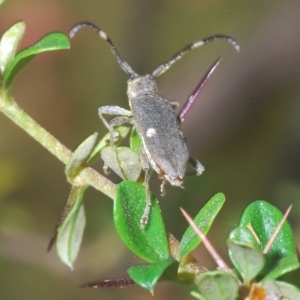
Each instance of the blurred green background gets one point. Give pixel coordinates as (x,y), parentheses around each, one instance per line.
(245,129)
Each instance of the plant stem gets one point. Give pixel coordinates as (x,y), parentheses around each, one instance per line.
(87,177)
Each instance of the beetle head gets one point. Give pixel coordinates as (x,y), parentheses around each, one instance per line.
(141,85)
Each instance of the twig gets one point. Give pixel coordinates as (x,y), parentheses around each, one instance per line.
(87,177)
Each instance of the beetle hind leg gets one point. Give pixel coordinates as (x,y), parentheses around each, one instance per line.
(196,165)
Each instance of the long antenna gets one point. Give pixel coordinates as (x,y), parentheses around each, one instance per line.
(164,67)
(122,63)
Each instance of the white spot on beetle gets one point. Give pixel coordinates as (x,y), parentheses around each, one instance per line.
(150,132)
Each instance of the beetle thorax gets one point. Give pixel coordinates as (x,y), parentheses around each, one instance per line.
(142,85)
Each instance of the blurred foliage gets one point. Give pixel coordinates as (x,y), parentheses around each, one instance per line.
(244,129)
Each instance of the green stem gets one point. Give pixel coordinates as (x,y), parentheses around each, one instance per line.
(87,177)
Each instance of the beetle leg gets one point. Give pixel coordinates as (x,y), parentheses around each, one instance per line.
(124,116)
(115,122)
(196,165)
(145,165)
(162,187)
(116,111)
(174,104)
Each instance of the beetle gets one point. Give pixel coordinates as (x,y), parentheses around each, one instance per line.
(163,144)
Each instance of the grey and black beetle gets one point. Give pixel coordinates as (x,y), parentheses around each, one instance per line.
(163,143)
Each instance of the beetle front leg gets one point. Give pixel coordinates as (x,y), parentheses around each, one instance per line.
(116,111)
(115,122)
(124,116)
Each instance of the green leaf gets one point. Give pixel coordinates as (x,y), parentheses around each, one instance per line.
(149,243)
(80,155)
(244,236)
(9,44)
(280,288)
(123,161)
(52,41)
(218,285)
(284,265)
(197,295)
(264,219)
(135,141)
(246,258)
(147,276)
(2,1)
(122,133)
(72,226)
(203,220)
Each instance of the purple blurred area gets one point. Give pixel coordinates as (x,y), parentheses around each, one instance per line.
(244,129)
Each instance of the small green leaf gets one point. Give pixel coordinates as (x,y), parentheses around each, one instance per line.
(197,295)
(71,229)
(52,41)
(135,141)
(244,236)
(149,243)
(2,1)
(245,254)
(246,258)
(264,219)
(203,220)
(80,155)
(122,133)
(218,285)
(123,161)
(147,276)
(284,265)
(9,44)
(280,288)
